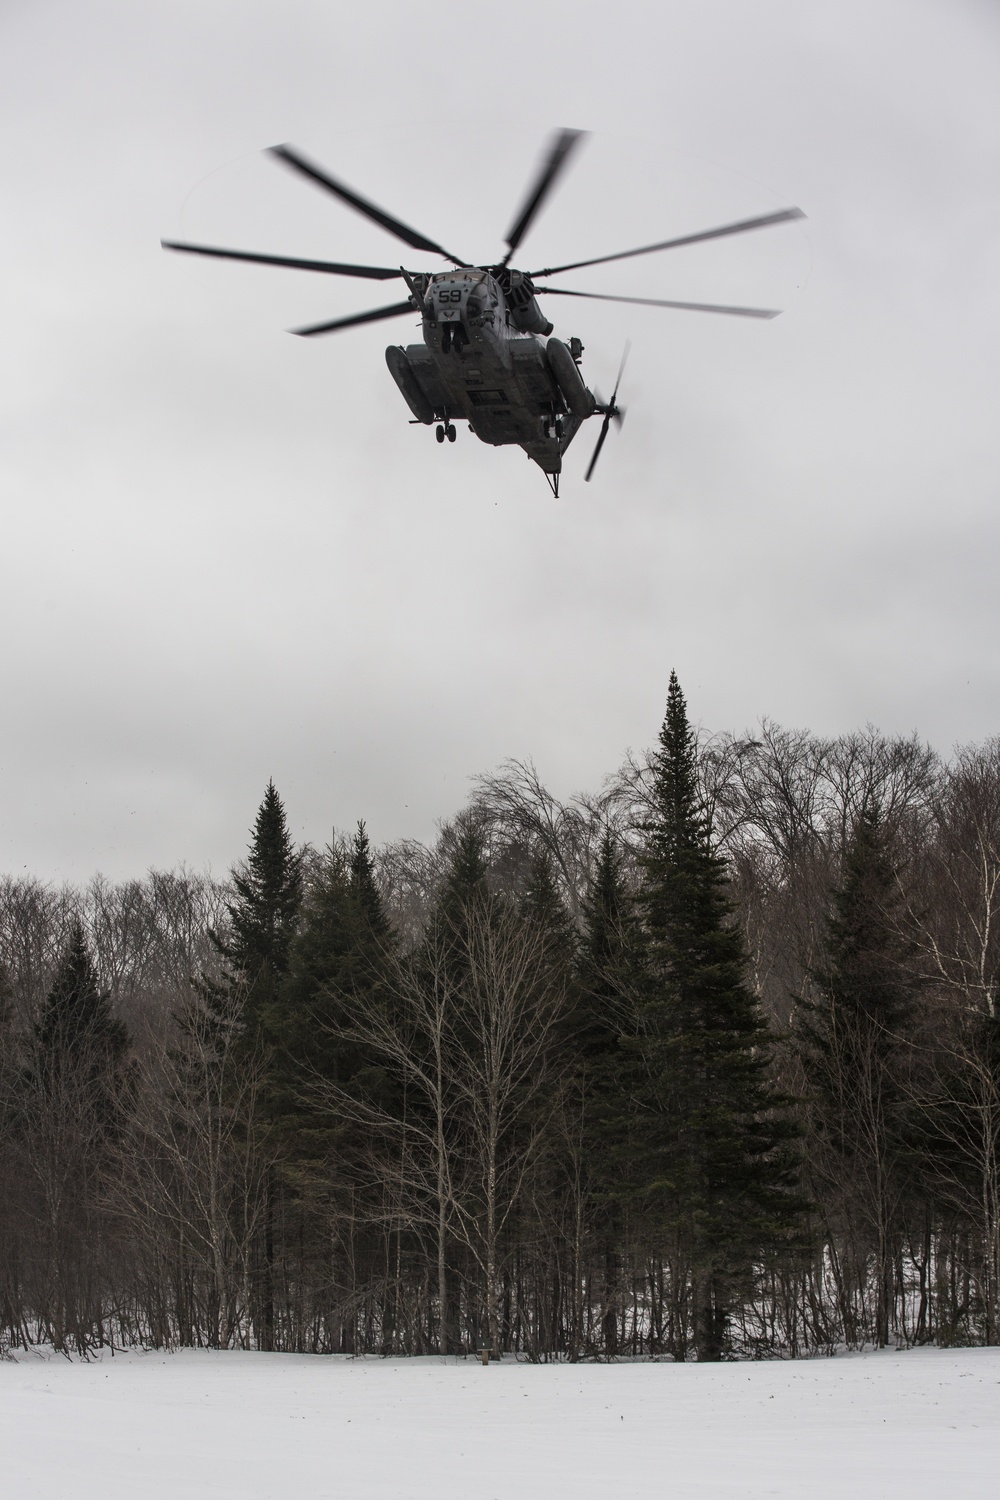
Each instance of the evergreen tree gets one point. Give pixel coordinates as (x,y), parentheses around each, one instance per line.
(714,1150)
(608,957)
(312,991)
(465,880)
(464,892)
(605,1012)
(853,1038)
(865,979)
(367,898)
(312,1145)
(337,958)
(543,907)
(79,1042)
(262,920)
(263,915)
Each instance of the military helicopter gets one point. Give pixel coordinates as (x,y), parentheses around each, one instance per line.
(487,355)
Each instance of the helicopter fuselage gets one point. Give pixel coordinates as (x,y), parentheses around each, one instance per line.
(487,356)
(485,360)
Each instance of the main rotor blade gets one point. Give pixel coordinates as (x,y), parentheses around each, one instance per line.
(375,315)
(712,307)
(605,425)
(369,273)
(299,163)
(741,227)
(553,163)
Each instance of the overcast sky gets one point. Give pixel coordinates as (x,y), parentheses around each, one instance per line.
(226,555)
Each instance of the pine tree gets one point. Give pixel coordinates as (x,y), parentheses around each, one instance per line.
(605,1012)
(338,956)
(853,1038)
(311,994)
(464,894)
(263,915)
(543,907)
(465,880)
(262,920)
(715,1148)
(608,956)
(374,924)
(865,978)
(79,1042)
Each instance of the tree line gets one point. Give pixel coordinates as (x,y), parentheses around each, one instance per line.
(704,1065)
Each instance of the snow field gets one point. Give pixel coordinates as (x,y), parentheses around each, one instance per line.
(241,1426)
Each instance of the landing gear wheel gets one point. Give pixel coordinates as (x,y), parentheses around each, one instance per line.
(439,433)
(450,433)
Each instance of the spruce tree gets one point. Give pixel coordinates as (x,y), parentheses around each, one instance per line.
(465,880)
(463,898)
(865,978)
(373,923)
(543,907)
(262,918)
(263,915)
(336,959)
(715,1142)
(608,957)
(853,1036)
(604,1013)
(312,990)
(79,1042)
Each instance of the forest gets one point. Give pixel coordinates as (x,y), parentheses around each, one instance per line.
(704,1065)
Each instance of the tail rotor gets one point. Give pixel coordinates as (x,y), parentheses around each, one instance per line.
(612,413)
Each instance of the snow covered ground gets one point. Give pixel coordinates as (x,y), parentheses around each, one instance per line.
(194,1425)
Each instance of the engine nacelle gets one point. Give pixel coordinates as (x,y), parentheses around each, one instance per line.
(525,313)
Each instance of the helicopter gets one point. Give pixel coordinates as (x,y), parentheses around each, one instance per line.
(488,356)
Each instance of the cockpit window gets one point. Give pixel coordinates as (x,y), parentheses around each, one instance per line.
(460,273)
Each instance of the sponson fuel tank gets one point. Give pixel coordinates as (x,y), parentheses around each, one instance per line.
(402,374)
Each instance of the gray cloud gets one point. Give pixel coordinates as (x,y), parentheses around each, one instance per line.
(225,553)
